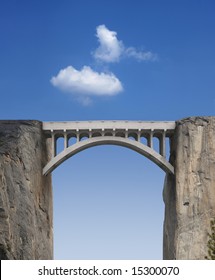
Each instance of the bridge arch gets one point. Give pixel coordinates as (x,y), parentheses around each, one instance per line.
(109,140)
(122,133)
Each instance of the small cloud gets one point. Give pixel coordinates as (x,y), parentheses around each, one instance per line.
(140,56)
(110,48)
(85,100)
(86,83)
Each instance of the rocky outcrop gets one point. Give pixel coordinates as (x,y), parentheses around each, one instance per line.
(25,194)
(189,196)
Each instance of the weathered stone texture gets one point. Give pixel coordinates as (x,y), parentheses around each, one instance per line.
(25,194)
(190,196)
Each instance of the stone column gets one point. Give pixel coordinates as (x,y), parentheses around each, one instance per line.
(189,196)
(26,230)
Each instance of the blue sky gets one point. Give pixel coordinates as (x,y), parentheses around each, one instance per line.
(133,60)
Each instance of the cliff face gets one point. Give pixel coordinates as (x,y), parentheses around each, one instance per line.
(25,194)
(189,196)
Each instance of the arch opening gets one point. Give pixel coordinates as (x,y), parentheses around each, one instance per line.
(59,144)
(83,137)
(144,140)
(72,139)
(156,144)
(106,195)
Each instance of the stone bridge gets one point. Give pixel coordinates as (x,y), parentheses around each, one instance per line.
(136,135)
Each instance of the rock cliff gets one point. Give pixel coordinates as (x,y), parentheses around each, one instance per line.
(189,196)
(25,194)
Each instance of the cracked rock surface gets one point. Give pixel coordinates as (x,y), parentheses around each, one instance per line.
(25,194)
(189,196)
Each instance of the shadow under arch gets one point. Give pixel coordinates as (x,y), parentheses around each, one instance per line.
(109,140)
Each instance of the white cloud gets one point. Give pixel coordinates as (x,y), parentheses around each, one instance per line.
(111,49)
(87,82)
(140,56)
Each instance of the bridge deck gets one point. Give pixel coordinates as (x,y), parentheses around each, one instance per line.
(131,125)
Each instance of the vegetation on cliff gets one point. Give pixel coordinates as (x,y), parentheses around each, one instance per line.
(211,242)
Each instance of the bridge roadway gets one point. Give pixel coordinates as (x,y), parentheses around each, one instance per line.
(123,133)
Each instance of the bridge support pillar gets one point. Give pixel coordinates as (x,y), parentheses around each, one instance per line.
(150,139)
(163,144)
(65,140)
(189,195)
(53,145)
